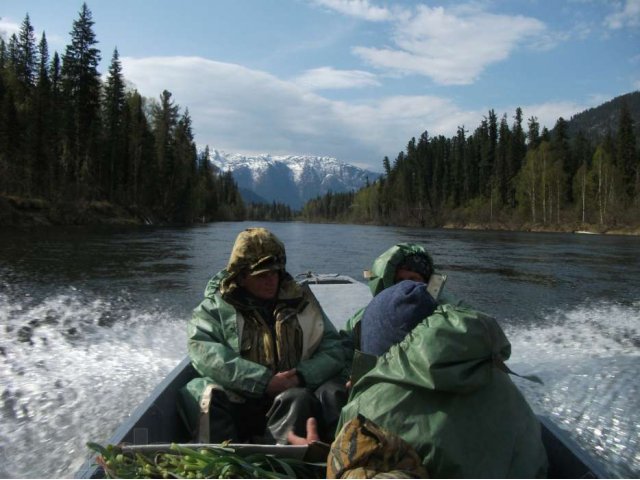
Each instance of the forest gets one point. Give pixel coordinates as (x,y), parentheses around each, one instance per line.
(82,148)
(505,176)
(75,145)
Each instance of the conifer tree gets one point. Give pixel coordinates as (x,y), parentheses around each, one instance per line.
(142,165)
(81,87)
(186,167)
(112,171)
(56,115)
(517,152)
(40,127)
(165,119)
(501,167)
(26,57)
(562,151)
(626,153)
(533,133)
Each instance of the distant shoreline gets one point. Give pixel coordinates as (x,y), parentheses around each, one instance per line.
(33,212)
(578,230)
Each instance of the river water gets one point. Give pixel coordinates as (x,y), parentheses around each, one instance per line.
(92,319)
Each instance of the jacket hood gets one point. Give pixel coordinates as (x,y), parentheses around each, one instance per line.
(214,284)
(383,270)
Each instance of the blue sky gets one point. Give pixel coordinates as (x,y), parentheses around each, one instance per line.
(356,79)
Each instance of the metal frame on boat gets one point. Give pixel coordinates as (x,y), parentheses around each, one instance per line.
(156,420)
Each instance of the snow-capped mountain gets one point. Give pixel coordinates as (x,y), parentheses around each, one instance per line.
(291,179)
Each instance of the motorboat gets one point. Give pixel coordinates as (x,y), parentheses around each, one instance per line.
(155,423)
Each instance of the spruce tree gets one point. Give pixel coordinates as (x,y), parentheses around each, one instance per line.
(26,60)
(112,172)
(517,152)
(626,153)
(533,133)
(81,87)
(40,127)
(165,120)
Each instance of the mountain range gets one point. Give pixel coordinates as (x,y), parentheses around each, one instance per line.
(598,121)
(290,179)
(295,179)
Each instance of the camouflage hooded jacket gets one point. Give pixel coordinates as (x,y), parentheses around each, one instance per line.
(215,341)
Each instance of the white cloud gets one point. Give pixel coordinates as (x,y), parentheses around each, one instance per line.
(390,122)
(357,8)
(548,113)
(324,78)
(240,110)
(236,109)
(451,47)
(626,15)
(8,28)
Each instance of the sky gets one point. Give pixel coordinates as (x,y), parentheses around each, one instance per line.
(355,79)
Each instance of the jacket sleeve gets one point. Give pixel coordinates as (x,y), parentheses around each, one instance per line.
(213,354)
(351,336)
(327,361)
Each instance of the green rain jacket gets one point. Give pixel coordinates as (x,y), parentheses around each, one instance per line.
(442,390)
(214,333)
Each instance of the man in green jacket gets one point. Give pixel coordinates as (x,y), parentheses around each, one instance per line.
(267,355)
(431,371)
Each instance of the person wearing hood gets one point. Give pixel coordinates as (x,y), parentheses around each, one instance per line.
(429,374)
(266,354)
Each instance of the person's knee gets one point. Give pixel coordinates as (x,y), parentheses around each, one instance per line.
(296,394)
(334,388)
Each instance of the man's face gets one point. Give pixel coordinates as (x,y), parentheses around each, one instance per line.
(404,274)
(263,285)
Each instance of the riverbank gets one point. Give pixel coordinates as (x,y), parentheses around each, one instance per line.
(19,211)
(584,229)
(27,212)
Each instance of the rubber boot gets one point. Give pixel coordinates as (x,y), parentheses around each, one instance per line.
(289,412)
(332,396)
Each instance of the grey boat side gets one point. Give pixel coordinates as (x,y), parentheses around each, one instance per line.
(157,421)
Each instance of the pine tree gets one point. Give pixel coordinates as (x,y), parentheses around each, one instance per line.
(517,152)
(626,153)
(81,87)
(40,128)
(142,165)
(113,168)
(562,151)
(55,147)
(165,120)
(533,133)
(26,61)
(501,168)
(186,166)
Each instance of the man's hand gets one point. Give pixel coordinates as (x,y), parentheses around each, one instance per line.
(312,434)
(282,381)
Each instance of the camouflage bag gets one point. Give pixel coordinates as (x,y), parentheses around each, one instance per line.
(364,450)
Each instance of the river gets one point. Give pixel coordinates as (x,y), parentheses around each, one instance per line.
(91,319)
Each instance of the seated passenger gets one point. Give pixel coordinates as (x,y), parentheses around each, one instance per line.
(266,353)
(403,261)
(432,372)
